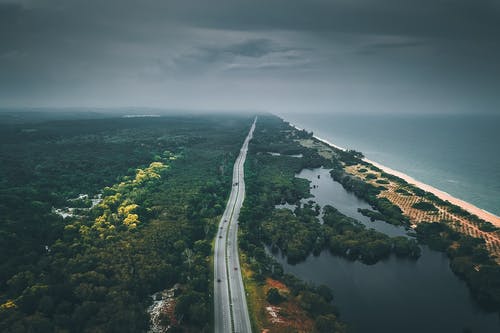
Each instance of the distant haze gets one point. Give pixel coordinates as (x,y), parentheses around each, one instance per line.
(283,56)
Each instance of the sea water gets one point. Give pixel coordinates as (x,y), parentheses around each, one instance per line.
(459,154)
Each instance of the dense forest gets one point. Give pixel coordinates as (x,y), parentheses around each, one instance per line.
(97,215)
(162,183)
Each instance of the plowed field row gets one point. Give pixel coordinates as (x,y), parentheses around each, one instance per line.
(405,202)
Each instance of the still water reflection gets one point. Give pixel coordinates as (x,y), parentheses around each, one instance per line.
(395,295)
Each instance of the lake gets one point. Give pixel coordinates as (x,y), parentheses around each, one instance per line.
(395,295)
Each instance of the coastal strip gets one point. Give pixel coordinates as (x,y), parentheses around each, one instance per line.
(481,213)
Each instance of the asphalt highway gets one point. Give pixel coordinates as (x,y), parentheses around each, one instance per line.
(230,304)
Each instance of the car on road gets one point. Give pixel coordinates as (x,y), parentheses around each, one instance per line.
(236,268)
(218,280)
(220,236)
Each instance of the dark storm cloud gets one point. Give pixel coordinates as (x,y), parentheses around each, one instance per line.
(256,47)
(394,45)
(252,48)
(249,54)
(424,18)
(282,55)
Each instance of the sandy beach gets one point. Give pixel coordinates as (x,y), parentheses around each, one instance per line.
(481,213)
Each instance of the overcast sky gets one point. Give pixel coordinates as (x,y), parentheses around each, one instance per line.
(402,56)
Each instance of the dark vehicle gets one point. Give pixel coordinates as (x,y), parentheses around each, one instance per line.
(218,280)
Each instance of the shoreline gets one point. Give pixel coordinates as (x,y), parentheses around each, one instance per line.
(479,212)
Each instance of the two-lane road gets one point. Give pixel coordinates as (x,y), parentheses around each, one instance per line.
(230,304)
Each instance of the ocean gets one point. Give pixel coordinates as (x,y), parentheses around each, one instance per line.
(458,154)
